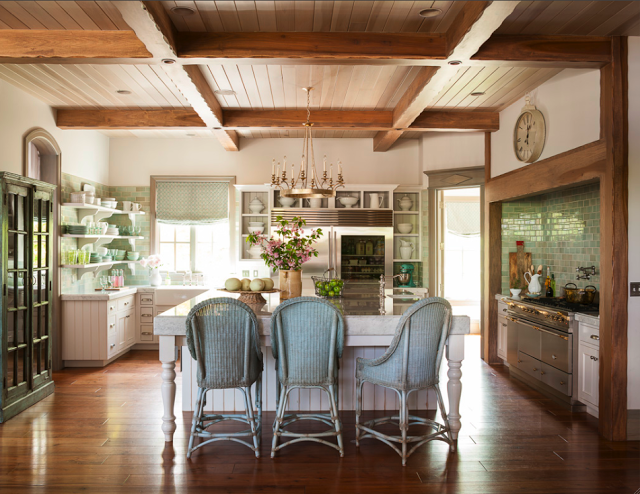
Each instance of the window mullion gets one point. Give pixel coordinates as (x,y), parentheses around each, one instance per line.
(193,249)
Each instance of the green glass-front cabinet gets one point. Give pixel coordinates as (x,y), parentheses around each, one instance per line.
(25,278)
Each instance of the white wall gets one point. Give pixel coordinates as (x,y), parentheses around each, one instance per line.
(85,153)
(445,150)
(570,103)
(134,160)
(633,362)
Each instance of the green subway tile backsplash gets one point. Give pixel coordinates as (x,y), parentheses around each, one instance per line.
(560,229)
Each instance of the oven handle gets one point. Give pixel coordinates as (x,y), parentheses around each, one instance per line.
(520,321)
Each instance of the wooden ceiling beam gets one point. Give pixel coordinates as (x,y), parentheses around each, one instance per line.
(152,25)
(332,46)
(162,118)
(591,50)
(50,45)
(184,118)
(471,28)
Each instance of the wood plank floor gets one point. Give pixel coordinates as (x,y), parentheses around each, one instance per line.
(100,433)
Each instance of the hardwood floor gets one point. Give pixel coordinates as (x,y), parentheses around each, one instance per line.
(100,433)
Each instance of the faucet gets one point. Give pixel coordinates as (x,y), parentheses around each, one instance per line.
(184,277)
(403,277)
(587,273)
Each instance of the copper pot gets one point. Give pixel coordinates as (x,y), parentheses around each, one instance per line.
(577,295)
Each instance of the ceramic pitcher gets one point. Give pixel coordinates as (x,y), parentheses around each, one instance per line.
(376,200)
(533,282)
(406,249)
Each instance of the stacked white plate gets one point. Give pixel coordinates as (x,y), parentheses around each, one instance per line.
(112,231)
(109,202)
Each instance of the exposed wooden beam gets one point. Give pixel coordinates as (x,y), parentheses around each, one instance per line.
(163,118)
(167,118)
(473,25)
(333,46)
(614,245)
(40,43)
(153,26)
(585,50)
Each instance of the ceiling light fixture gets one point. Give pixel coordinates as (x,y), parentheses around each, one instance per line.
(477,93)
(225,92)
(123,91)
(191,135)
(454,62)
(168,61)
(307,183)
(430,13)
(183,11)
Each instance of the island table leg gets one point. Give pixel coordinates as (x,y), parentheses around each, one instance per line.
(455,355)
(168,359)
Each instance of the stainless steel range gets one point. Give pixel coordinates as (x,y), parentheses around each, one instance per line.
(540,346)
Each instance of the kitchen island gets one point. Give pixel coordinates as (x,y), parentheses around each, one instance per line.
(367,334)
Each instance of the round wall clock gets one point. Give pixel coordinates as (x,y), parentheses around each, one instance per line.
(529,133)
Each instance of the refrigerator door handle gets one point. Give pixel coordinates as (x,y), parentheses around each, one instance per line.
(330,254)
(335,255)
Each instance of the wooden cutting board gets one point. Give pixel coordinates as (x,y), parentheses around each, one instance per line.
(513,268)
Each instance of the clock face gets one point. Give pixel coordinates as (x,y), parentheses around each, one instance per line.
(529,136)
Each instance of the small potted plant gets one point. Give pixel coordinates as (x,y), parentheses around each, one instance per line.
(287,253)
(153,263)
(516,289)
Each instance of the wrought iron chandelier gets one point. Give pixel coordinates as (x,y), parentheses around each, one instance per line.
(307,183)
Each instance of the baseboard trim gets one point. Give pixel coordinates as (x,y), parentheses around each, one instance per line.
(94,363)
(633,425)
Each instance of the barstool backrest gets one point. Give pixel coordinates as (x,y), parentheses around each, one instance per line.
(418,344)
(307,337)
(222,335)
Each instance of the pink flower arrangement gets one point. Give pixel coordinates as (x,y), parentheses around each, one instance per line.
(153,262)
(291,249)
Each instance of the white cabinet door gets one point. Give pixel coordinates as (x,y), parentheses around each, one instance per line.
(121,326)
(589,374)
(502,338)
(129,328)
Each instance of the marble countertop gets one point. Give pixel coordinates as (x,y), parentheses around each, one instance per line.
(98,295)
(361,314)
(589,319)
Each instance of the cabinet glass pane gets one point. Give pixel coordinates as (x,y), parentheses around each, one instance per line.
(21,214)
(35,322)
(11,250)
(36,215)
(36,250)
(35,361)
(20,329)
(10,366)
(44,241)
(44,315)
(44,283)
(44,219)
(20,287)
(21,375)
(11,330)
(20,251)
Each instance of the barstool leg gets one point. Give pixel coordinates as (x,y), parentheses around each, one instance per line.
(336,418)
(358,410)
(404,425)
(284,396)
(194,421)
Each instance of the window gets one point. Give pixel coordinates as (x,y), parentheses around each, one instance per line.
(199,248)
(192,228)
(34,162)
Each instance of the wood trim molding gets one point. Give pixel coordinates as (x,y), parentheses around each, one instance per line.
(456,178)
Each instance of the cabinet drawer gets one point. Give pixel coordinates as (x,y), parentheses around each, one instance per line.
(502,309)
(557,379)
(112,341)
(146,315)
(556,350)
(146,333)
(146,299)
(589,335)
(530,365)
(126,303)
(529,340)
(111,325)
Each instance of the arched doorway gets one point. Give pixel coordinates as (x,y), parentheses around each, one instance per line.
(42,160)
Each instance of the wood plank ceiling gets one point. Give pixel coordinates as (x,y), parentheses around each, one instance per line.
(267,86)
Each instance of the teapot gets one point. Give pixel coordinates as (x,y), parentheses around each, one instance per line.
(405,203)
(533,283)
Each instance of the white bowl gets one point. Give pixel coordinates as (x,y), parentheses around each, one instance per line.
(256,223)
(347,202)
(256,229)
(287,202)
(405,227)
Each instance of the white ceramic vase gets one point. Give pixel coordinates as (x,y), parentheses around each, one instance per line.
(406,252)
(155,279)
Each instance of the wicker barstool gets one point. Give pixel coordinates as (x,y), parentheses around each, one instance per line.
(411,362)
(307,336)
(222,335)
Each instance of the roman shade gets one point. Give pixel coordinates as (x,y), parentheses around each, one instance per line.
(192,203)
(463,218)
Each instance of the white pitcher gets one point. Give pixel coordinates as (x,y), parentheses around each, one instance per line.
(533,283)
(376,200)
(315,203)
(406,249)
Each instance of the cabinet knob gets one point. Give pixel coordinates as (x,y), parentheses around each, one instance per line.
(562,383)
(554,357)
(535,369)
(542,373)
(126,303)
(504,310)
(146,332)
(594,337)
(112,345)
(111,325)
(519,361)
(595,359)
(111,308)
(128,316)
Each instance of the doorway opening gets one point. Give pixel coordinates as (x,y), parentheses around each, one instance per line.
(459,253)
(42,160)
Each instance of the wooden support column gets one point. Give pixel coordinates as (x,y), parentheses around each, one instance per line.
(614,266)
(492,279)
